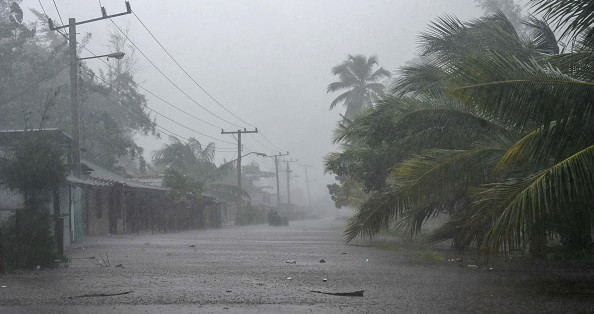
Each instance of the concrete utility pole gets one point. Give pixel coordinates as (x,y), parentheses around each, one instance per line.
(289,181)
(74,79)
(307,182)
(277,183)
(239,132)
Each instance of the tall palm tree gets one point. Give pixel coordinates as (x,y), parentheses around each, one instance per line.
(520,186)
(358,77)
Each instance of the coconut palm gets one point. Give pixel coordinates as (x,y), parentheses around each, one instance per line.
(358,77)
(190,168)
(532,177)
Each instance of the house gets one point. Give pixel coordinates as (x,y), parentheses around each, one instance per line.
(102,202)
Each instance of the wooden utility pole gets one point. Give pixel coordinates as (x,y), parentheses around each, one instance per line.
(289,181)
(307,183)
(277,182)
(239,132)
(74,80)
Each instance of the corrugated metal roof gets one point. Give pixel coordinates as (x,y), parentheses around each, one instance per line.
(99,176)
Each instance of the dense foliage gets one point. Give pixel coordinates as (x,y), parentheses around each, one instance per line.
(36,170)
(489,125)
(34,67)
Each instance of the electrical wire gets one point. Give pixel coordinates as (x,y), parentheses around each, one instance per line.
(160,98)
(193,80)
(169,79)
(168,118)
(59,15)
(186,72)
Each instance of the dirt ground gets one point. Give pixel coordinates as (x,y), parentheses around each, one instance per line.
(245,270)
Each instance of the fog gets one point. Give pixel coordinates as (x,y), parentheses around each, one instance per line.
(267,62)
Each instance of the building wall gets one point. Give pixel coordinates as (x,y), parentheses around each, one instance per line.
(97,211)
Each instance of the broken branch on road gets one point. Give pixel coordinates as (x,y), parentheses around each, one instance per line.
(358,293)
(93,295)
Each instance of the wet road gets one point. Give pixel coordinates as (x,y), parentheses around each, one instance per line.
(244,270)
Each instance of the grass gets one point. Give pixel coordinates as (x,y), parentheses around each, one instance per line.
(415,252)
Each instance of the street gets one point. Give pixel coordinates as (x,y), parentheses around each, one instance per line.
(250,270)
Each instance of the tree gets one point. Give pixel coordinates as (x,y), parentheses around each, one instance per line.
(193,161)
(528,174)
(33,61)
(357,76)
(36,170)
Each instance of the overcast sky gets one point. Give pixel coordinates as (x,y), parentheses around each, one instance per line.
(267,61)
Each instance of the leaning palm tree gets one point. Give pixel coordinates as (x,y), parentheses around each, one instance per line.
(189,165)
(357,76)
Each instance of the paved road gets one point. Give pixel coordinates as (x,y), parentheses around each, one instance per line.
(244,270)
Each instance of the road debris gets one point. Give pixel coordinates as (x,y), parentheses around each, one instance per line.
(192,245)
(104,262)
(120,265)
(322,261)
(91,257)
(289,261)
(324,280)
(94,295)
(358,293)
(289,278)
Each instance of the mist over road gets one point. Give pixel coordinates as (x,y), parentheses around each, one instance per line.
(245,269)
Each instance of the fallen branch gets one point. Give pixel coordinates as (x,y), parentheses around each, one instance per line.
(358,293)
(93,295)
(106,263)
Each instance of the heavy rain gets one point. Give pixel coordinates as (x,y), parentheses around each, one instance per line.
(336,156)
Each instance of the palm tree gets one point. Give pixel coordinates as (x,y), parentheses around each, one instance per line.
(356,75)
(532,177)
(190,168)
(190,158)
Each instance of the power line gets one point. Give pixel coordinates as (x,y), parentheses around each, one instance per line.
(271,143)
(158,97)
(175,85)
(262,145)
(170,119)
(60,16)
(187,74)
(169,79)
(193,80)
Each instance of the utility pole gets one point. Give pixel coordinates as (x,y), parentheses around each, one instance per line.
(74,79)
(289,181)
(277,183)
(307,183)
(239,132)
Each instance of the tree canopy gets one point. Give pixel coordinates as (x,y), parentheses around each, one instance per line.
(489,126)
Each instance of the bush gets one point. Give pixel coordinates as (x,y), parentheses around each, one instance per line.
(34,245)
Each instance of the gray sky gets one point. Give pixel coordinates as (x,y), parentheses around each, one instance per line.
(267,61)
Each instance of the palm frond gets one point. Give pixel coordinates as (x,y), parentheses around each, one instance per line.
(336,86)
(340,99)
(377,212)
(534,200)
(573,16)
(417,79)
(553,142)
(522,93)
(379,74)
(542,36)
